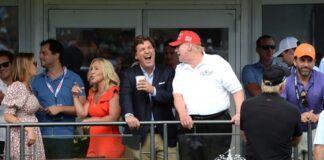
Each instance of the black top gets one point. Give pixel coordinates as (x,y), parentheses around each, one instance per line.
(269,123)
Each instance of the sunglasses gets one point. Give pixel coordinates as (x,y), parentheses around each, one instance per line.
(266,47)
(4,65)
(303,98)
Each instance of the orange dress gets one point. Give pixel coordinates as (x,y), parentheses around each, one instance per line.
(102,142)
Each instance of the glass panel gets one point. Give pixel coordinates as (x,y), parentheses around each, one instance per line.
(110,43)
(215,40)
(9,28)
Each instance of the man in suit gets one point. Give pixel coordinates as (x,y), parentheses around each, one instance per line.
(149,99)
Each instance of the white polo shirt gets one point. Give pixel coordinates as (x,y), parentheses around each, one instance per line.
(319,137)
(206,88)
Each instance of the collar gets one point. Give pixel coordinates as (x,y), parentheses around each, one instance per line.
(45,73)
(145,73)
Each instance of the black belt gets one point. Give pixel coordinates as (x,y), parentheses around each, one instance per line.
(210,116)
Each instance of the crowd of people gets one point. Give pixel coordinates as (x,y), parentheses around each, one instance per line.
(273,113)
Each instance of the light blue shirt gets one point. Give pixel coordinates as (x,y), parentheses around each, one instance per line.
(64,97)
(321,66)
(149,78)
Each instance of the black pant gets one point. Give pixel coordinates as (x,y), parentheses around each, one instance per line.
(206,147)
(58,148)
(2,147)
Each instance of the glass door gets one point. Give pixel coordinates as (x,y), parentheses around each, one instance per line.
(215,27)
(87,34)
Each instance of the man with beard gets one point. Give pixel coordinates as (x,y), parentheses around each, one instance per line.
(305,88)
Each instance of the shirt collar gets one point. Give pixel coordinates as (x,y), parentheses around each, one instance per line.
(145,73)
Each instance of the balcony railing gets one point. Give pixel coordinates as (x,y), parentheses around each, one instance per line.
(235,141)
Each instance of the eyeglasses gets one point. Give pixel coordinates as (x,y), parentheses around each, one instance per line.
(303,98)
(4,65)
(266,47)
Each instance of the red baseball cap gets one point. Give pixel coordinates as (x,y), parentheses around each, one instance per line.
(186,36)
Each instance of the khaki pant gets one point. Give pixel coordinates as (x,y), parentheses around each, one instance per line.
(303,145)
(144,152)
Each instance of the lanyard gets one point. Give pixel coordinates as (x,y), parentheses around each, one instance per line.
(297,91)
(58,87)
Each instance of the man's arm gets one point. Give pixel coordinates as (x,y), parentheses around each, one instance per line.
(319,152)
(185,119)
(69,110)
(243,136)
(295,140)
(238,98)
(253,89)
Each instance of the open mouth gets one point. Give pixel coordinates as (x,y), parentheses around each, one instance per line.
(147,57)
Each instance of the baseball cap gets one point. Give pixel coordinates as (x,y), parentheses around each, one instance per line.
(186,36)
(275,75)
(305,49)
(286,43)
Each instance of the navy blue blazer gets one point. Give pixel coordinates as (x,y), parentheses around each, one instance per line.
(139,104)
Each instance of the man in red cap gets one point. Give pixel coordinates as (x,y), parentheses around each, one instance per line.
(201,90)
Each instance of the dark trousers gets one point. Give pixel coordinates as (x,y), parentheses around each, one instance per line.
(205,147)
(2,147)
(58,148)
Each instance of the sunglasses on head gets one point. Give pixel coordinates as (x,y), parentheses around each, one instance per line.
(266,47)
(303,98)
(4,65)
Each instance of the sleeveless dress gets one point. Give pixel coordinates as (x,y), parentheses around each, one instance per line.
(105,141)
(23,104)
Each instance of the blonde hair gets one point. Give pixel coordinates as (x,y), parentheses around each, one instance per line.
(110,76)
(272,89)
(21,64)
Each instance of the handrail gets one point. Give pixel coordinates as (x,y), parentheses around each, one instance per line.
(165,124)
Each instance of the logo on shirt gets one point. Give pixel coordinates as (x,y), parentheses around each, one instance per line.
(206,73)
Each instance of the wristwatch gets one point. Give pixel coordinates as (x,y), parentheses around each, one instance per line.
(128,114)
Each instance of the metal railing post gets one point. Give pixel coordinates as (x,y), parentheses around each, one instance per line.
(7,144)
(22,142)
(152,143)
(296,152)
(165,141)
(309,141)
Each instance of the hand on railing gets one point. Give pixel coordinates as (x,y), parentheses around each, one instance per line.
(132,122)
(309,116)
(30,136)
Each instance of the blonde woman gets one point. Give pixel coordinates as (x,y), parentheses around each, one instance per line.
(21,106)
(102,105)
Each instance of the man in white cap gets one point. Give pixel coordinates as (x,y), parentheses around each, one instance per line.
(286,50)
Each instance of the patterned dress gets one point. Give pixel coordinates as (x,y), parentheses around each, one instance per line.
(105,140)
(23,104)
